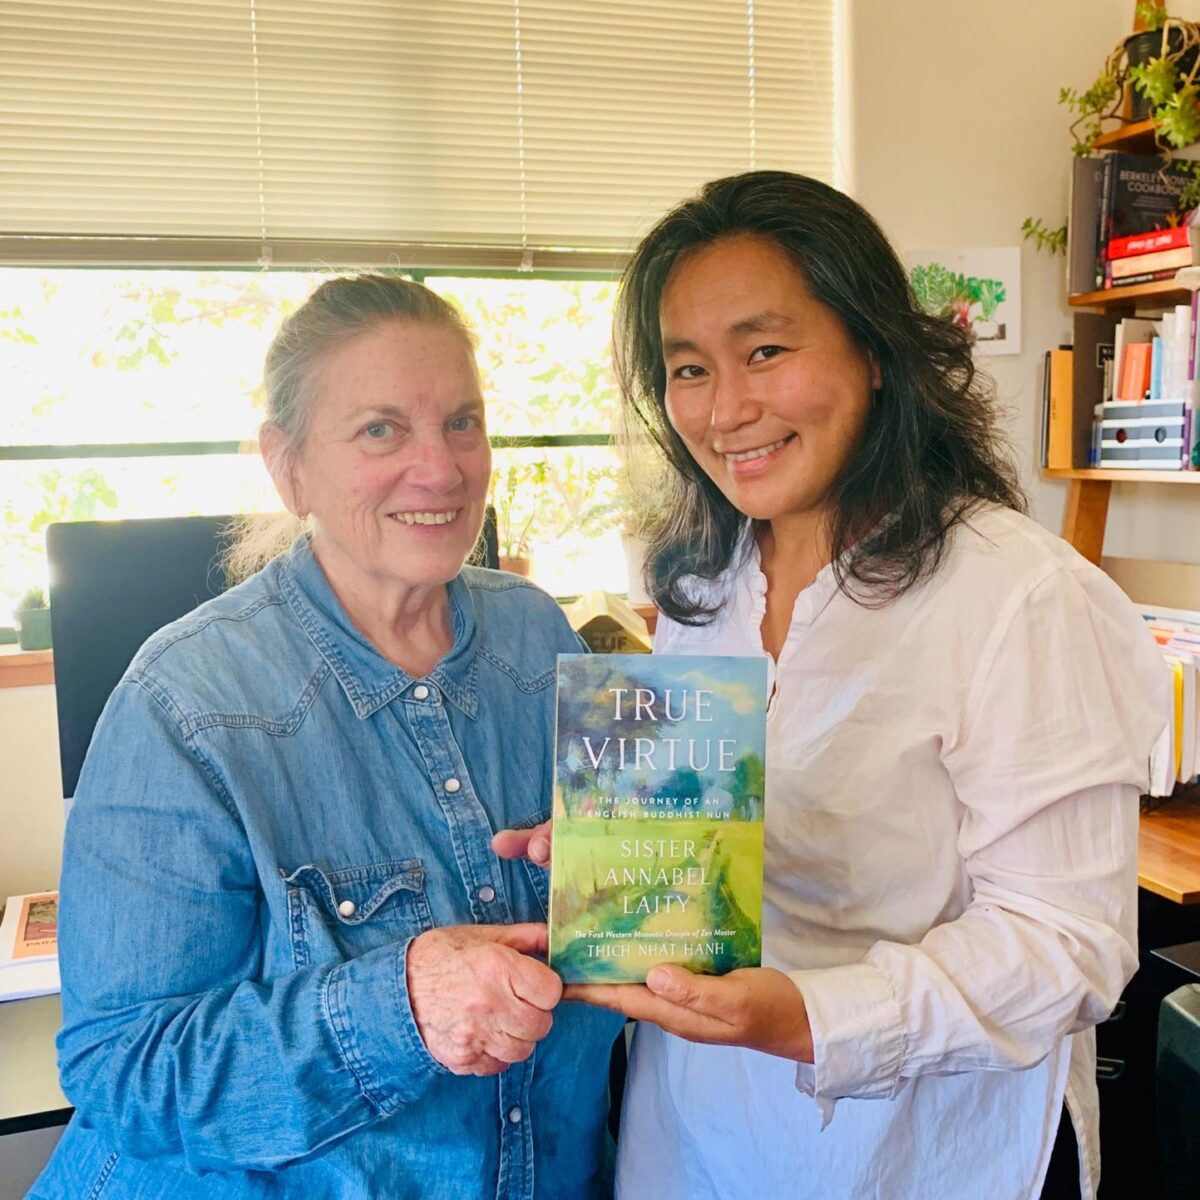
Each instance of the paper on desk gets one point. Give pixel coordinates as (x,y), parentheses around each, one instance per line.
(29,946)
(21,980)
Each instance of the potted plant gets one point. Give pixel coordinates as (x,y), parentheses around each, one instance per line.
(1158,64)
(33,620)
(514,495)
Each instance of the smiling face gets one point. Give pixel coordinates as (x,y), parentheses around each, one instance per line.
(395,465)
(764,385)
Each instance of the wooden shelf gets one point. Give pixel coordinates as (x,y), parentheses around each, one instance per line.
(1169,850)
(1164,292)
(1137,137)
(1121,475)
(25,668)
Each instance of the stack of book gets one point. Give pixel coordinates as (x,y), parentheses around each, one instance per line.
(29,946)
(1127,224)
(1125,395)
(1176,758)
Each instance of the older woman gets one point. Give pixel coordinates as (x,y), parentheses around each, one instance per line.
(961,710)
(292,965)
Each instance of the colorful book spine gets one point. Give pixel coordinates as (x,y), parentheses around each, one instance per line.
(1160,260)
(1144,277)
(1134,383)
(659,785)
(1148,243)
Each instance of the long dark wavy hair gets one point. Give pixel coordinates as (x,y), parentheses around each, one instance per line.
(930,451)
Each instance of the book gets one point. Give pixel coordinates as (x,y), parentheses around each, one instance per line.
(1060,393)
(1141,195)
(29,946)
(1138,244)
(1145,435)
(1091,371)
(1159,260)
(1134,381)
(1143,277)
(659,788)
(1044,435)
(1083,225)
(1128,331)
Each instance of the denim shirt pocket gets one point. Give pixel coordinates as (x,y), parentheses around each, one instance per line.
(340,914)
(539,877)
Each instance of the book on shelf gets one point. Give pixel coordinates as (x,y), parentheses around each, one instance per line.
(1142,435)
(1138,244)
(29,946)
(1141,194)
(1138,195)
(1176,757)
(1134,380)
(1143,277)
(1058,411)
(1083,224)
(659,786)
(1148,264)
(1091,376)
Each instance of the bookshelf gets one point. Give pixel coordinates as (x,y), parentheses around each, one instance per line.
(1121,475)
(1163,291)
(1135,137)
(1088,494)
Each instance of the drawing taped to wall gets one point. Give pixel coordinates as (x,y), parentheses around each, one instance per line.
(979,290)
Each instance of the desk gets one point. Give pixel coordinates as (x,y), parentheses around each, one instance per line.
(1169,850)
(30,1097)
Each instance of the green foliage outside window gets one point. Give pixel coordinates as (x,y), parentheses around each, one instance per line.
(140,356)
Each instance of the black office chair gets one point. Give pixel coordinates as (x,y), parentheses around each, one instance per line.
(113,583)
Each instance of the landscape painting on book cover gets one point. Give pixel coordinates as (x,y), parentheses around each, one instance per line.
(658,807)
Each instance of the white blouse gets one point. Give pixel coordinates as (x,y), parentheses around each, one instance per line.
(950,879)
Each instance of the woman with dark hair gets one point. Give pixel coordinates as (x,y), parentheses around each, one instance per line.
(960,716)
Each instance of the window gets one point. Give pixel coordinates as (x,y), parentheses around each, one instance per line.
(157,155)
(136,393)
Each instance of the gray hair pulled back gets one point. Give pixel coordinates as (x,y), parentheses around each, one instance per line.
(340,309)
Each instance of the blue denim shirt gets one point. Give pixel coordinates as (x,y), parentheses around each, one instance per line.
(270,811)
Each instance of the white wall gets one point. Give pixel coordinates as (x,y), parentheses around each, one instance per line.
(954,136)
(31,810)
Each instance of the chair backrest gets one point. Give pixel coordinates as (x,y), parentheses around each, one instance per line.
(112,584)
(1177,1085)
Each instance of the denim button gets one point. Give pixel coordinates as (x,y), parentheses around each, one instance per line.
(452,785)
(420,692)
(346,908)
(514,1115)
(487,893)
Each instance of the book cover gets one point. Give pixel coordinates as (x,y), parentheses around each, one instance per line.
(1148,243)
(1134,381)
(29,928)
(1091,375)
(1142,194)
(1158,260)
(659,782)
(29,946)
(1060,452)
(1144,277)
(1083,224)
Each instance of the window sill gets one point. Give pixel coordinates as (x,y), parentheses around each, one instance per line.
(25,668)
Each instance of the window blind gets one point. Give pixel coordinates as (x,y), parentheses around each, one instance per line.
(544,134)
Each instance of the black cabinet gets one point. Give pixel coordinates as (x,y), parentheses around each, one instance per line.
(1128,1111)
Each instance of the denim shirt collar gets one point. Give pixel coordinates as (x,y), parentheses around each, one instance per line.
(367,678)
